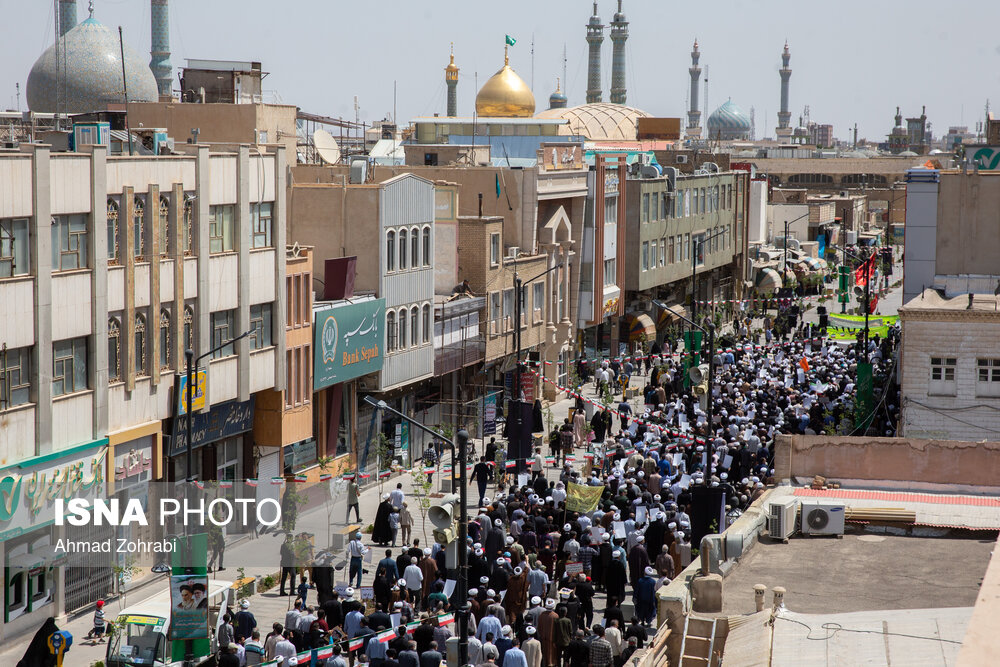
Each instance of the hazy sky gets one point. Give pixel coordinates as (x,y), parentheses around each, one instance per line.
(852,61)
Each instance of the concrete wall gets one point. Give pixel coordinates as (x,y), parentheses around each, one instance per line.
(967,206)
(920,238)
(891,459)
(979,646)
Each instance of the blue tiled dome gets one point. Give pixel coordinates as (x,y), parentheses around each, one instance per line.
(87,75)
(728,122)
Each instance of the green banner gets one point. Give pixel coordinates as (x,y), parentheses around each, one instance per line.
(347,342)
(863,409)
(192,551)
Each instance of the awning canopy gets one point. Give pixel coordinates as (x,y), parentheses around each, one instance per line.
(768,280)
(639,325)
(667,318)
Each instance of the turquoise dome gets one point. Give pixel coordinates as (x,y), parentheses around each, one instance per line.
(728,122)
(87,75)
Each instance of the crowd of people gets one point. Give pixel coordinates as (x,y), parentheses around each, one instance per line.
(554,587)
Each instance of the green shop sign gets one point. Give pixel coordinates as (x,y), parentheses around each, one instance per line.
(348,342)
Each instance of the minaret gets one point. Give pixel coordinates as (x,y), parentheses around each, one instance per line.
(784,116)
(694,116)
(67,16)
(619,33)
(595,37)
(159,25)
(451,80)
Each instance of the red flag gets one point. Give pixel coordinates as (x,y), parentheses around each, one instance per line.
(873,303)
(863,272)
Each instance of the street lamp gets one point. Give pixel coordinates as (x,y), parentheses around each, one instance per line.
(784,261)
(710,332)
(518,296)
(462,583)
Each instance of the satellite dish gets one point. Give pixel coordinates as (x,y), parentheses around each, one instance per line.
(326,147)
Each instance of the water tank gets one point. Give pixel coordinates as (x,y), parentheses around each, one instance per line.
(359,170)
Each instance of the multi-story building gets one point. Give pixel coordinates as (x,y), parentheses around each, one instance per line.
(110,269)
(685,233)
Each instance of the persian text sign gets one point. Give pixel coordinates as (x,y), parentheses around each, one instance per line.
(348,342)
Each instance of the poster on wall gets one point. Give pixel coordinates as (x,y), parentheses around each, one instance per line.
(189,606)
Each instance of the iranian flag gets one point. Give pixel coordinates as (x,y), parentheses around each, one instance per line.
(570,459)
(589,457)
(550,460)
(428,471)
(304,657)
(412,626)
(301,479)
(200,485)
(348,477)
(365,475)
(510,464)
(446,470)
(324,653)
(384,474)
(325,477)
(445,619)
(252,482)
(629,452)
(355,644)
(226,484)
(277,481)
(385,636)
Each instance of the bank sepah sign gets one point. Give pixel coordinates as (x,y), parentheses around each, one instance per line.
(348,342)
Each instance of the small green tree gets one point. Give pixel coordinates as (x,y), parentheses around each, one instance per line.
(124,572)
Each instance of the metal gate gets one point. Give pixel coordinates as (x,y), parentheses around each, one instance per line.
(91,576)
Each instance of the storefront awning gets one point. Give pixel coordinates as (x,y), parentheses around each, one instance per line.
(639,325)
(667,318)
(768,280)
(25,562)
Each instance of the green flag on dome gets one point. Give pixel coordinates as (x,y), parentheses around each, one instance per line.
(510,41)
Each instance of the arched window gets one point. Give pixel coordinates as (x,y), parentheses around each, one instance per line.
(188,329)
(114,350)
(403,249)
(427,246)
(188,224)
(402,329)
(140,344)
(113,256)
(414,326)
(138,228)
(390,251)
(164,339)
(390,331)
(415,247)
(427,323)
(164,226)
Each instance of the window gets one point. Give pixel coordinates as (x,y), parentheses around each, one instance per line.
(644,266)
(611,211)
(538,299)
(290,378)
(427,246)
(987,377)
(390,331)
(403,249)
(69,366)
(163,227)
(679,200)
(260,326)
(69,242)
(140,344)
(220,228)
(114,350)
(653,252)
(15,250)
(138,228)
(15,376)
(665,205)
(654,207)
(414,326)
(663,251)
(610,272)
(401,319)
(703,200)
(699,249)
(494,249)
(426,324)
(524,305)
(715,198)
(687,247)
(695,201)
(415,247)
(114,256)
(943,368)
(223,329)
(260,219)
(390,251)
(673,248)
(165,339)
(645,207)
(188,328)
(188,222)
(495,313)
(687,202)
(508,309)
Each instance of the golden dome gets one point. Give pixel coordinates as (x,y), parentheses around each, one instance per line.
(452,68)
(505,95)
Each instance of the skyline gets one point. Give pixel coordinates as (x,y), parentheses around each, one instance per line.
(408,43)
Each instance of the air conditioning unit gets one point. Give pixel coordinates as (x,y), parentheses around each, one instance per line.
(682,159)
(822,518)
(512,252)
(781,518)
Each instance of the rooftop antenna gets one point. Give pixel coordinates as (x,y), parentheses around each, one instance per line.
(532,62)
(17,87)
(707,107)
(564,64)
(121,47)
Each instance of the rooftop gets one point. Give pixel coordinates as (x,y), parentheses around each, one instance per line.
(932,299)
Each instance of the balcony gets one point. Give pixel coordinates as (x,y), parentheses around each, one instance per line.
(458,341)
